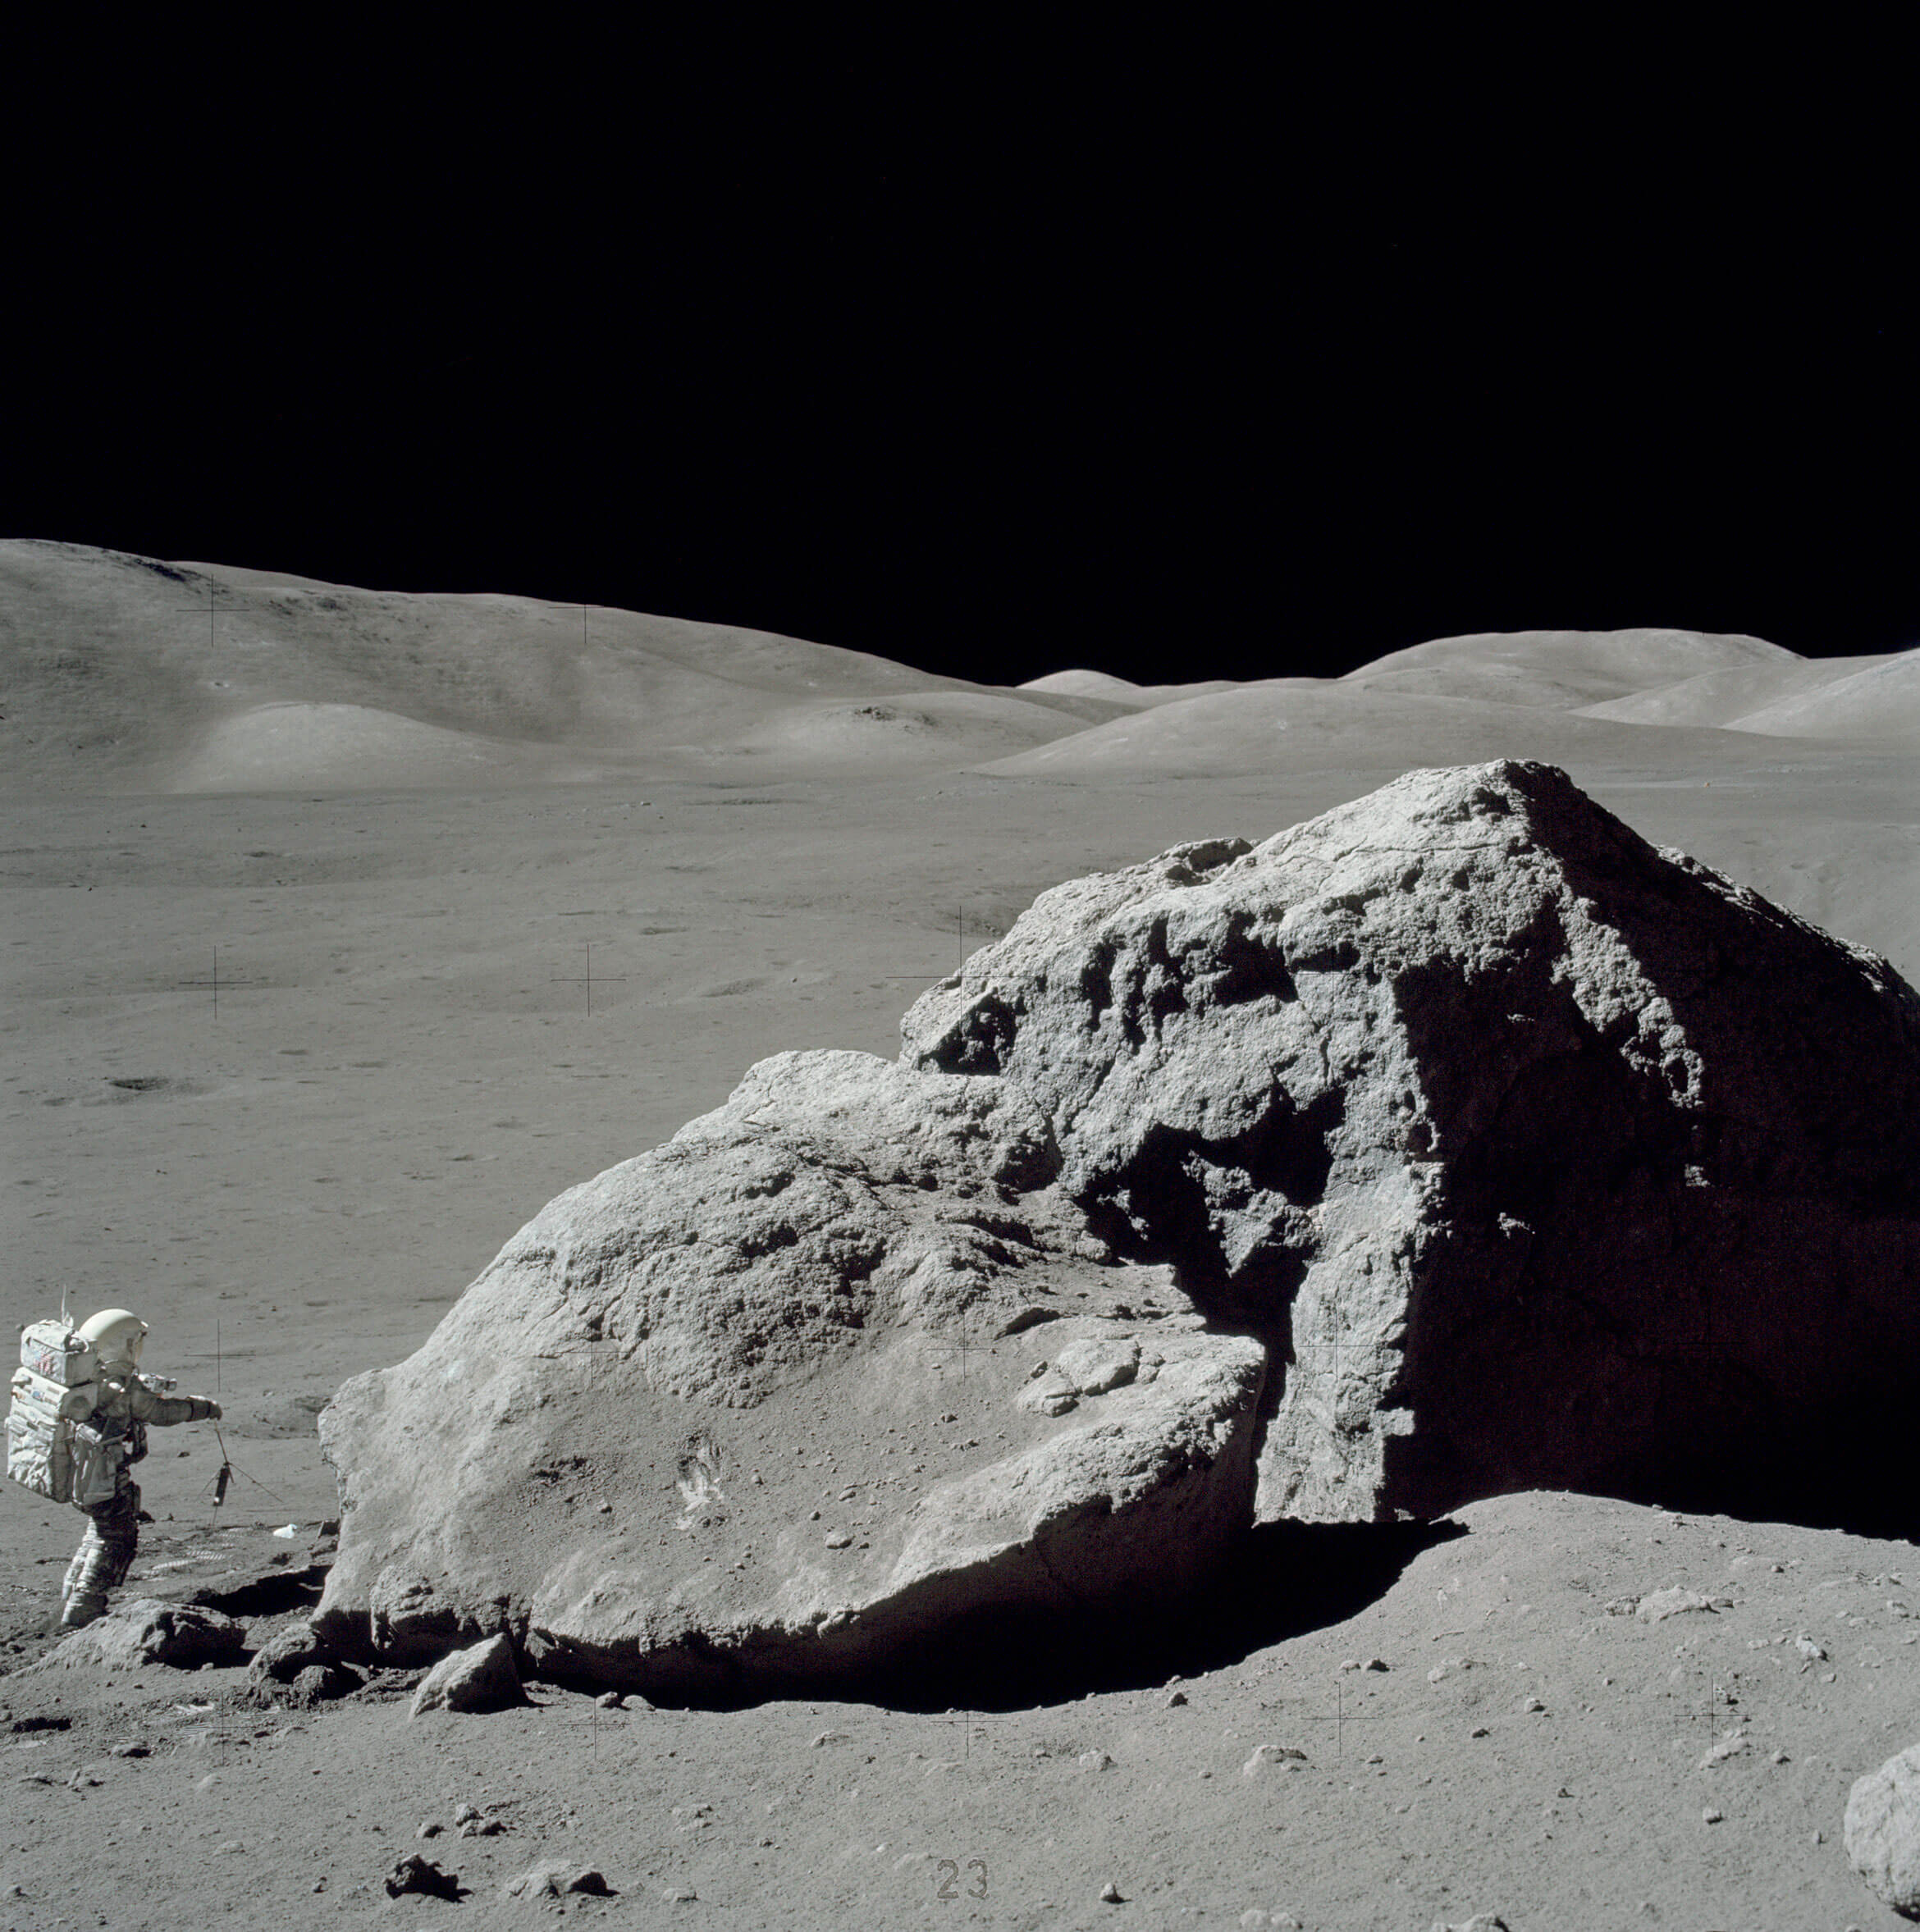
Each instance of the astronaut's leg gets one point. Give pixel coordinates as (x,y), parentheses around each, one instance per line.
(105,1555)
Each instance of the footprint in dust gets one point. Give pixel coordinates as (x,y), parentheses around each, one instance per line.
(699,1479)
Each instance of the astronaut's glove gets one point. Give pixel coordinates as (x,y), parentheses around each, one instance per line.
(209,1410)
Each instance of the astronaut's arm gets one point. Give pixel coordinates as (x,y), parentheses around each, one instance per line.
(149,1406)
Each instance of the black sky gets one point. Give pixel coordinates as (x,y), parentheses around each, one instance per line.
(1173,357)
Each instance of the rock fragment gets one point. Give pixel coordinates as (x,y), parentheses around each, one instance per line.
(415,1874)
(1662,1604)
(843,1224)
(483,1677)
(145,1631)
(1882,1832)
(556,1879)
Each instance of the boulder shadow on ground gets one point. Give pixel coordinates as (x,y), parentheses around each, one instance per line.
(1850,1471)
(1283,1580)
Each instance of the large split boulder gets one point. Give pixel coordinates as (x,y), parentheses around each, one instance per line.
(1455,1142)
(749,1408)
(1538,1157)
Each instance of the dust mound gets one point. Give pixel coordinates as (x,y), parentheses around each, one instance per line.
(1297,723)
(1123,695)
(1878,703)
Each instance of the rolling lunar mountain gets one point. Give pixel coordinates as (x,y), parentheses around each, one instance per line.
(126,674)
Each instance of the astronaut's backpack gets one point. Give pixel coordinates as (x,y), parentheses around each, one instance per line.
(51,1447)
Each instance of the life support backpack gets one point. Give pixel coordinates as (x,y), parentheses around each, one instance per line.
(52,1447)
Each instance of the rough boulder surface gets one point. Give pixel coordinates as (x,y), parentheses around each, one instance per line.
(1883,1831)
(1539,1158)
(748,1406)
(145,1631)
(1454,1142)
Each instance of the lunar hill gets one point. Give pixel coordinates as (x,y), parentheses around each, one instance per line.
(129,674)
(125,674)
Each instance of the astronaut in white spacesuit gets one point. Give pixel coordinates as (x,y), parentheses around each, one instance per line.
(127,1405)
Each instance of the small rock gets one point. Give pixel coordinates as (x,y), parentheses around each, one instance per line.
(1676,1602)
(1110,1894)
(1712,1816)
(131,1636)
(611,1700)
(1096,1367)
(1481,1921)
(414,1874)
(1809,1650)
(317,1683)
(1532,1704)
(837,1539)
(1050,1393)
(484,1678)
(432,1829)
(1479,1731)
(680,1895)
(1175,1699)
(466,1815)
(1376,1664)
(1266,1754)
(287,1653)
(556,1880)
(1732,1745)
(832,1737)
(1883,1831)
(1096,1761)
(135,1749)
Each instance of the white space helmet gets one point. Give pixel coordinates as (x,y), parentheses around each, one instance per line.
(116,1336)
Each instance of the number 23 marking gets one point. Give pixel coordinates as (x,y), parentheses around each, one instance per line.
(949,1871)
